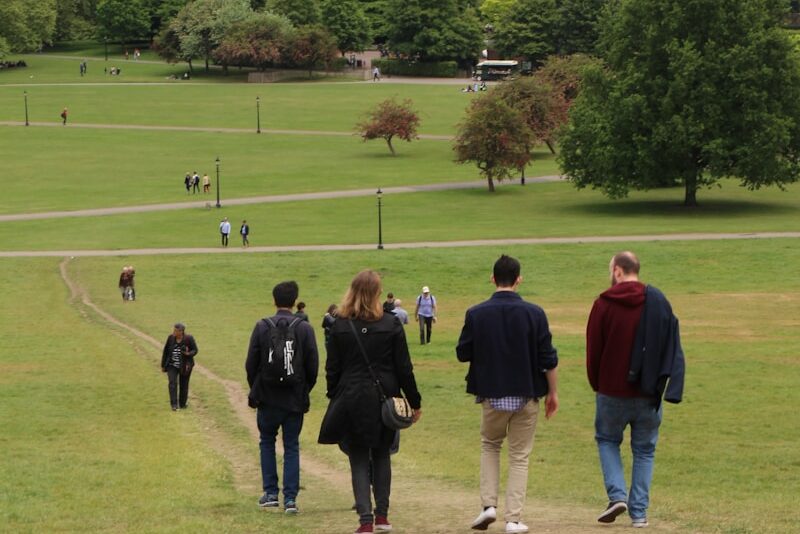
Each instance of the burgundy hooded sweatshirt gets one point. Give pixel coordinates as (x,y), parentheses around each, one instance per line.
(609,339)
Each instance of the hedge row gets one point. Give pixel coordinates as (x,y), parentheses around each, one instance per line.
(399,67)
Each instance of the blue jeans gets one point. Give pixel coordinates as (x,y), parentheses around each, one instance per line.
(269,421)
(612,416)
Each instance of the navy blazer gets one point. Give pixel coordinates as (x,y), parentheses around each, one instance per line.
(508,345)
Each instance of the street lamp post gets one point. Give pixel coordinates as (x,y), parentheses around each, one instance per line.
(258,115)
(26,108)
(218,204)
(105,45)
(380,228)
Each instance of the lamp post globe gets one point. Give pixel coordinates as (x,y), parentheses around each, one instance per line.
(217,162)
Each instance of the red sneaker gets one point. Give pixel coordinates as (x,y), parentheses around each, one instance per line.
(365,528)
(381,523)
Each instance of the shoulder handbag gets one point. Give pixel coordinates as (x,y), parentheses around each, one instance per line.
(396,413)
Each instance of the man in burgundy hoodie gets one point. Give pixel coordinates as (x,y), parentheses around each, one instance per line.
(610,337)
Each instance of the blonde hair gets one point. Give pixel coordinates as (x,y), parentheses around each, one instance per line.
(362,300)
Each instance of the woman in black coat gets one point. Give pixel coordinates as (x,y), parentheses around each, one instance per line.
(353,419)
(177,360)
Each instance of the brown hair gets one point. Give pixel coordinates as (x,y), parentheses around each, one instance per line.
(362,300)
(627,261)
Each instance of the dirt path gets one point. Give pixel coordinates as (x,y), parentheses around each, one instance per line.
(265,199)
(448,508)
(204,129)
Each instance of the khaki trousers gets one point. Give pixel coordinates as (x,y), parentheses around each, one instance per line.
(519,427)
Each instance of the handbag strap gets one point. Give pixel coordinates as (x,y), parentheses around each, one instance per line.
(366,359)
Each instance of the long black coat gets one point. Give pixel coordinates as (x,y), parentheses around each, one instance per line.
(354,413)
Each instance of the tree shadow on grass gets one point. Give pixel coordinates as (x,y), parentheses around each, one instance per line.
(671,208)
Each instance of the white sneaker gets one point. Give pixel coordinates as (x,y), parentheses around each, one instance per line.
(516,527)
(485,518)
(639,522)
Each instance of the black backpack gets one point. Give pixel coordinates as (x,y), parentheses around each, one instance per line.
(282,357)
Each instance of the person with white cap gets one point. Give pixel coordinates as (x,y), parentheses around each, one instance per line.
(425,313)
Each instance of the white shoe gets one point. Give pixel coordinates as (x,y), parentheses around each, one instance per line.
(516,527)
(485,518)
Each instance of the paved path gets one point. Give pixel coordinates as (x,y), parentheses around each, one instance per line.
(400,246)
(268,199)
(212,129)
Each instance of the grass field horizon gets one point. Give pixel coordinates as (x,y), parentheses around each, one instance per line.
(89,441)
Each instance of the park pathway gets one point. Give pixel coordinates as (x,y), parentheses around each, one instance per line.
(649,238)
(268,199)
(448,507)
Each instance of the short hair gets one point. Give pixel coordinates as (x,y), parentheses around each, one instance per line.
(390,295)
(180,326)
(627,261)
(506,271)
(285,294)
(301,306)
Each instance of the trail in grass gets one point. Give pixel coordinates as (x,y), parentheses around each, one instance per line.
(213,129)
(414,245)
(267,199)
(418,504)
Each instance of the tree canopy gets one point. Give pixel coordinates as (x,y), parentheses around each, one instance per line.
(261,41)
(300,12)
(692,92)
(26,25)
(122,20)
(390,119)
(346,21)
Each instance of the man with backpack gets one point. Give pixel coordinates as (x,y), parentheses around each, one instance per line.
(282,365)
(425,313)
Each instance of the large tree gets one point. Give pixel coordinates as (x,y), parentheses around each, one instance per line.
(300,12)
(123,20)
(495,137)
(345,20)
(434,30)
(261,41)
(312,46)
(694,91)
(202,24)
(26,25)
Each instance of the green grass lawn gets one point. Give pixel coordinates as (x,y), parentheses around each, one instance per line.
(536,210)
(728,449)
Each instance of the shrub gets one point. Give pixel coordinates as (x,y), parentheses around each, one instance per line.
(401,67)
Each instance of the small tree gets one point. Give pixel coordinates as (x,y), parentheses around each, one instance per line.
(390,119)
(312,45)
(495,137)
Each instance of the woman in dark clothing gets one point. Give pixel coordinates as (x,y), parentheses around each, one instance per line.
(327,322)
(353,419)
(177,361)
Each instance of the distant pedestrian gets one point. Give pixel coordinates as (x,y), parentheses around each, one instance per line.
(177,360)
(127,56)
(126,283)
(206,183)
(327,323)
(224,230)
(301,312)
(399,311)
(64,117)
(136,54)
(195,183)
(245,231)
(425,313)
(376,74)
(187,181)
(388,304)
(83,67)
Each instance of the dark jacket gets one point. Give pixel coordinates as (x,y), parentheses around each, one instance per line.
(188,340)
(292,399)
(610,333)
(508,345)
(657,355)
(354,413)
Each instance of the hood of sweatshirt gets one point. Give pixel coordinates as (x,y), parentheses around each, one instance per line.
(630,294)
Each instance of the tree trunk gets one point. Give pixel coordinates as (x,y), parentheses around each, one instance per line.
(207,69)
(389,142)
(522,177)
(491,184)
(550,146)
(690,197)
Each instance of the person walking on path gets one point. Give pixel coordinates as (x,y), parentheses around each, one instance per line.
(244,231)
(177,360)
(376,74)
(224,230)
(126,283)
(301,312)
(206,183)
(195,183)
(512,365)
(632,347)
(425,314)
(353,418)
(400,312)
(187,181)
(64,117)
(281,400)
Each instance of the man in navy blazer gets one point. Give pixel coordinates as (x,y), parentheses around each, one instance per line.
(512,364)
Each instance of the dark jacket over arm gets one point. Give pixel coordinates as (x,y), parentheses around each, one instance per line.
(508,345)
(190,343)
